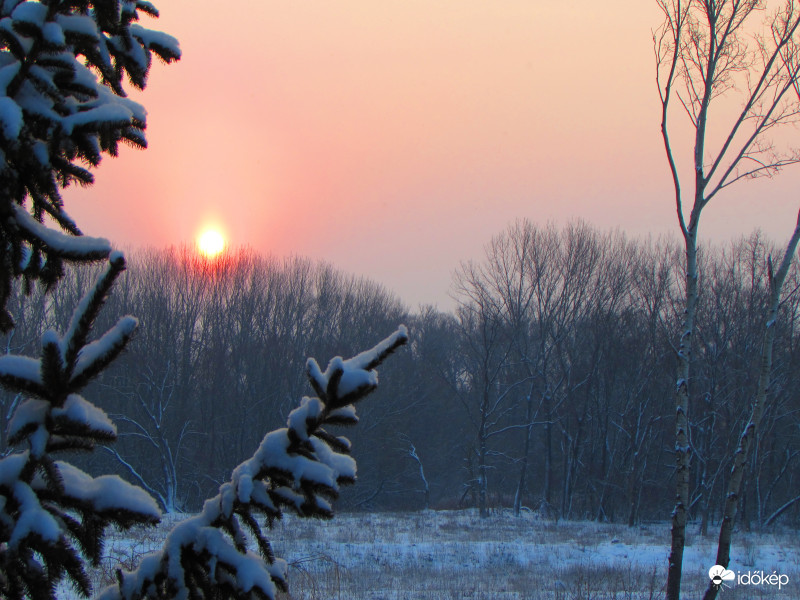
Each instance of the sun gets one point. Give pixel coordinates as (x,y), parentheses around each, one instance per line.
(210,243)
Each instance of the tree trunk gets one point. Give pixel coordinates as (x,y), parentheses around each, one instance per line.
(483,486)
(525,454)
(483,507)
(683,451)
(548,453)
(748,437)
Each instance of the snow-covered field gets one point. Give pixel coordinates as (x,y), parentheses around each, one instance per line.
(454,555)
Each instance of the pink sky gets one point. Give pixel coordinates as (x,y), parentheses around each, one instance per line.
(394,138)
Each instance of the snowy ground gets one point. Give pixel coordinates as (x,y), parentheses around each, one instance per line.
(455,555)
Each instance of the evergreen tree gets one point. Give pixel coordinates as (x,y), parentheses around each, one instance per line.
(52,513)
(62,106)
(299,467)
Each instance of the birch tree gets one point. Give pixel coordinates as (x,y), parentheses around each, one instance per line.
(747,439)
(708,51)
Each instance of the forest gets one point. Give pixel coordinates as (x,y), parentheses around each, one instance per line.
(547,388)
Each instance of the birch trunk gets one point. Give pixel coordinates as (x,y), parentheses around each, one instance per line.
(683,450)
(750,432)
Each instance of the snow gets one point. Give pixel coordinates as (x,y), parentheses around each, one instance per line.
(260,479)
(21,368)
(290,497)
(368,357)
(11,466)
(309,410)
(32,101)
(40,153)
(244,491)
(30,412)
(50,337)
(454,554)
(10,117)
(32,519)
(354,378)
(147,7)
(79,313)
(259,495)
(346,413)
(105,96)
(272,453)
(79,410)
(83,77)
(53,33)
(341,464)
(250,568)
(32,13)
(150,37)
(8,6)
(107,492)
(26,43)
(8,70)
(65,244)
(313,370)
(357,371)
(44,78)
(114,115)
(437,554)
(98,349)
(78,25)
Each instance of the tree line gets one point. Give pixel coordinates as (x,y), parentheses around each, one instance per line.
(547,388)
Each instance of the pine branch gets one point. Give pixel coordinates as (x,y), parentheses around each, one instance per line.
(57,116)
(295,468)
(50,511)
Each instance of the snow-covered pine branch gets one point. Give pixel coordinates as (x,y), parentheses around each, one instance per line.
(52,514)
(300,467)
(62,106)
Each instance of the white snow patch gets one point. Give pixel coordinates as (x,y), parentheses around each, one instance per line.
(107,492)
(21,367)
(66,244)
(10,117)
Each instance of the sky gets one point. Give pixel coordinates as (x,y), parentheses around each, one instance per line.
(395,138)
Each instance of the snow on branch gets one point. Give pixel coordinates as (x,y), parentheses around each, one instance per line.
(62,107)
(67,246)
(52,514)
(300,467)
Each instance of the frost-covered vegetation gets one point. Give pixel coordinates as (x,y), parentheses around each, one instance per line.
(434,555)
(63,66)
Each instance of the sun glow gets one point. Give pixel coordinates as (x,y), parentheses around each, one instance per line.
(210,243)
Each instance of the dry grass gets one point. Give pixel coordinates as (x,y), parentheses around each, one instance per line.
(455,555)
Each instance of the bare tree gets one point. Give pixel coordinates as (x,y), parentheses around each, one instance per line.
(750,432)
(411,452)
(150,400)
(706,51)
(484,395)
